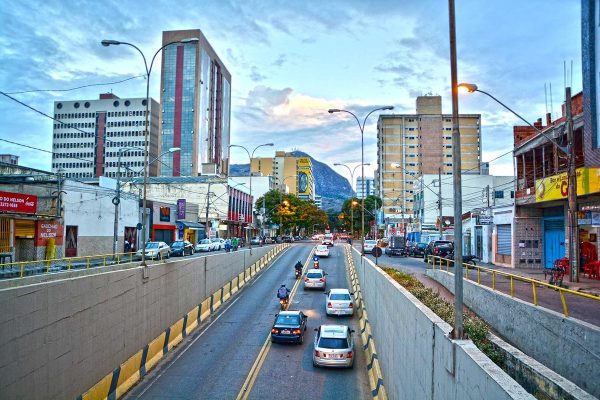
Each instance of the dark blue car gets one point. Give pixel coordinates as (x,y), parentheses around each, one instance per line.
(289,327)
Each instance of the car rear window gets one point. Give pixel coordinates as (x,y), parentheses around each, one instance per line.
(333,343)
(314,275)
(421,245)
(339,296)
(288,320)
(321,247)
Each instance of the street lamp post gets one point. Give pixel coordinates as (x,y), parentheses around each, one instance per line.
(352,203)
(148,68)
(117,199)
(250,157)
(362,161)
(569,151)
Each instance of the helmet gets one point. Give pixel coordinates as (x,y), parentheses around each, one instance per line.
(283,285)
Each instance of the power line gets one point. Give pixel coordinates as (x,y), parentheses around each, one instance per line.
(78,87)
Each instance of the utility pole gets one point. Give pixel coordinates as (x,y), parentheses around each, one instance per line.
(572,193)
(487,195)
(206,227)
(458,332)
(440,202)
(116,200)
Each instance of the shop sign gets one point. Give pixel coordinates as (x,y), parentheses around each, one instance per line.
(486,219)
(165,214)
(18,203)
(45,230)
(556,187)
(181,209)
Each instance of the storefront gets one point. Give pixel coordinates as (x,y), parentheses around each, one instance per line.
(193,232)
(588,221)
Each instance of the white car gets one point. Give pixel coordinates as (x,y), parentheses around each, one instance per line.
(204,245)
(339,302)
(322,250)
(370,245)
(218,243)
(315,279)
(333,346)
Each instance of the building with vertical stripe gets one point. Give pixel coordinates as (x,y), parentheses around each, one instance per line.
(195,106)
(87,136)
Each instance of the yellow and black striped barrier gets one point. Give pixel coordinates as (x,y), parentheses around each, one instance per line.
(373,367)
(118,382)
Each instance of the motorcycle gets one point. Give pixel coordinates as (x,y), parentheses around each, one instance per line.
(298,273)
(316,264)
(283,303)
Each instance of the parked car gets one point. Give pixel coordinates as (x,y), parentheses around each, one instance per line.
(289,327)
(417,250)
(297,238)
(333,346)
(370,245)
(218,244)
(155,251)
(315,279)
(287,239)
(269,240)
(440,248)
(396,247)
(255,241)
(181,248)
(204,245)
(339,302)
(322,250)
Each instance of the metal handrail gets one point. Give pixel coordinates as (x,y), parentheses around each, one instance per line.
(431,261)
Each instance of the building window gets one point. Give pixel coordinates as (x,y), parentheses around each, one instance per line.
(499,194)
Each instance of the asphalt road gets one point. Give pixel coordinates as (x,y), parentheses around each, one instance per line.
(231,349)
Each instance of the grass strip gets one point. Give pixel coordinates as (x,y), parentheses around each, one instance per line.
(475,329)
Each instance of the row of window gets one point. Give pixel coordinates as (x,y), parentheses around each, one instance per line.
(77,125)
(125,123)
(71,155)
(133,143)
(73,145)
(87,104)
(115,164)
(73,135)
(124,133)
(71,165)
(77,175)
(124,154)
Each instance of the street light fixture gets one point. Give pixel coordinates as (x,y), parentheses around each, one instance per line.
(352,171)
(250,157)
(362,160)
(569,151)
(148,68)
(117,199)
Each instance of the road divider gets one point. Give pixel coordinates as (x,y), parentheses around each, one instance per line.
(373,367)
(119,381)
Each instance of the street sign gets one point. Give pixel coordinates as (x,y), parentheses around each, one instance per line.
(376,251)
(486,219)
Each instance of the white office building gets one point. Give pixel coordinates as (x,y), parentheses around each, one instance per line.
(364,187)
(88,135)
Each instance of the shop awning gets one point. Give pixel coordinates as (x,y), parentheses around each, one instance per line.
(191,225)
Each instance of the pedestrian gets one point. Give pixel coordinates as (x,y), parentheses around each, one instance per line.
(234,243)
(228,245)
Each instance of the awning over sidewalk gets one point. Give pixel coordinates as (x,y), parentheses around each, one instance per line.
(191,225)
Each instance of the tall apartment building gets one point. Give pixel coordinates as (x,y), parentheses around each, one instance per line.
(364,187)
(88,134)
(409,145)
(295,173)
(196,106)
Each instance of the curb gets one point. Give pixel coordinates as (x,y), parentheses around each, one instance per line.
(118,382)
(373,368)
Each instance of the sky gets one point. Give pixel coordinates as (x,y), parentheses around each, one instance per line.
(292,61)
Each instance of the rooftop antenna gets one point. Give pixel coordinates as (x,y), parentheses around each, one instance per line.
(551,103)
(546,97)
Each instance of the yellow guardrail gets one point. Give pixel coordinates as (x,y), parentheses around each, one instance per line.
(20,269)
(433,261)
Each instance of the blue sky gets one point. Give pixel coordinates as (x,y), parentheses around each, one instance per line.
(291,61)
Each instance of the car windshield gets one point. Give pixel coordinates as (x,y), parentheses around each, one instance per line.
(333,343)
(215,240)
(314,275)
(205,241)
(370,242)
(421,245)
(152,245)
(339,296)
(177,244)
(288,320)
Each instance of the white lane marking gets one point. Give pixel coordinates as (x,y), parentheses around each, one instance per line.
(187,347)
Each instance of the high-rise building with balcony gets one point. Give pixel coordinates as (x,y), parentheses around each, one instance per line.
(88,134)
(410,145)
(364,187)
(195,106)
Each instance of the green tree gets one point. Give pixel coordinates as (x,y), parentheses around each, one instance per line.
(290,211)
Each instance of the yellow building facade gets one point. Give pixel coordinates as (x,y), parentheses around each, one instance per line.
(291,174)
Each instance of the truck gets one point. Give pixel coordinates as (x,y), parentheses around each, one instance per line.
(396,246)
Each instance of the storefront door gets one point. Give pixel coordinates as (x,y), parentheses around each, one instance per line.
(71,241)
(554,240)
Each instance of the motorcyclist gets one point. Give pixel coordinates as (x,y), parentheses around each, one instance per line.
(283,293)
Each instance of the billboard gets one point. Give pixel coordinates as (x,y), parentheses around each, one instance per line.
(18,202)
(305,178)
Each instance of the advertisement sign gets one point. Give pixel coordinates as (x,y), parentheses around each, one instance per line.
(305,177)
(18,202)
(486,219)
(165,214)
(556,187)
(181,209)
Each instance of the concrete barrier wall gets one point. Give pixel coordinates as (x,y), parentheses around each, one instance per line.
(417,358)
(62,337)
(568,346)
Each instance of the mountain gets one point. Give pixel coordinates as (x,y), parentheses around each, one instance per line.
(331,186)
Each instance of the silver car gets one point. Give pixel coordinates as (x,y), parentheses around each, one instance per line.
(333,346)
(339,302)
(315,279)
(155,251)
